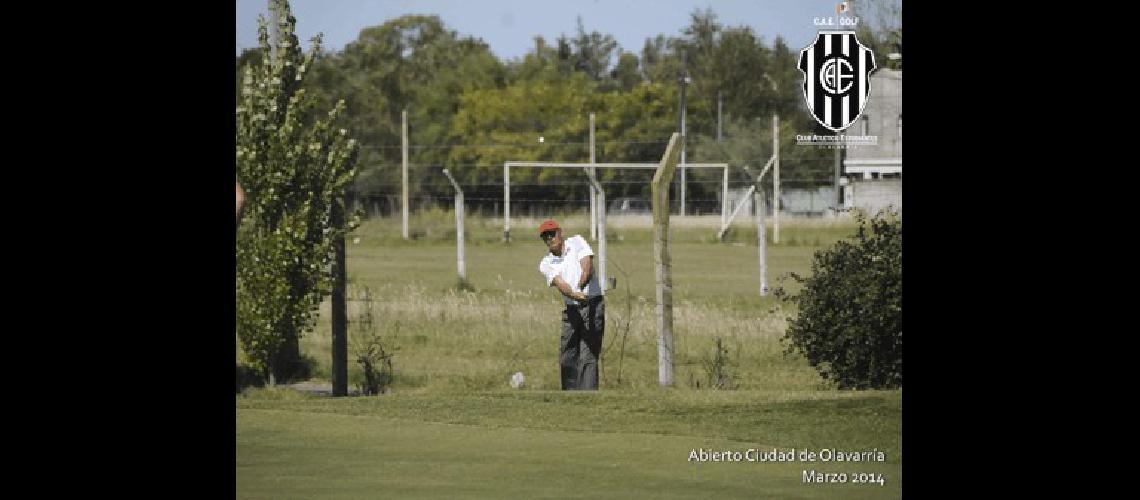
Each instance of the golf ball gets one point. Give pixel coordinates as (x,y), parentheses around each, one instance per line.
(518,380)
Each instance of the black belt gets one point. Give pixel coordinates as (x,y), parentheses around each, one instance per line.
(589,301)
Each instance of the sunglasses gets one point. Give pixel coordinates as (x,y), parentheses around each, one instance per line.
(546,235)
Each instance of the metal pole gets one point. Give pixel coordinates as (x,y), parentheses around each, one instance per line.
(683,82)
(461,241)
(776,178)
(744,199)
(724,197)
(836,181)
(593,194)
(595,186)
(602,238)
(718,110)
(506,202)
(739,205)
(461,262)
(761,243)
(404,120)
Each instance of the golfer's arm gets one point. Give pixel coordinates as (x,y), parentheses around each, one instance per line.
(240,201)
(587,264)
(562,286)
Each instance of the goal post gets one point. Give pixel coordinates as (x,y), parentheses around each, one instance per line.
(507,166)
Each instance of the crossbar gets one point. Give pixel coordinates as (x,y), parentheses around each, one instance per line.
(541,164)
(651,166)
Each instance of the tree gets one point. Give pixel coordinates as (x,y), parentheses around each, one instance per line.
(850,310)
(659,61)
(499,125)
(294,172)
(592,52)
(248,57)
(626,75)
(880,29)
(412,62)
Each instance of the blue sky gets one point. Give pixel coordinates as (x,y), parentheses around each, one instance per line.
(509,26)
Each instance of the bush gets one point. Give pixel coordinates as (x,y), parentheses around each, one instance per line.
(376,366)
(247,376)
(849,324)
(718,368)
(372,353)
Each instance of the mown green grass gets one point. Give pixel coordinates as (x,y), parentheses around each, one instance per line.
(624,444)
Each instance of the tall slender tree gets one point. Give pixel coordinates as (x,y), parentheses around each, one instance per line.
(294,172)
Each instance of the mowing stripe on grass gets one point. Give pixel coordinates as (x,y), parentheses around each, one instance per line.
(294,454)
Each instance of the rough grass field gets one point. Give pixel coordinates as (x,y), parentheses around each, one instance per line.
(452,427)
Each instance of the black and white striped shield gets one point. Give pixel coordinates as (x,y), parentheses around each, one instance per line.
(836,70)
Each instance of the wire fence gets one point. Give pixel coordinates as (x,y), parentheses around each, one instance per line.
(804,196)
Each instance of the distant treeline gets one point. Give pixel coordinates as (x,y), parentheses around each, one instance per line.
(469,112)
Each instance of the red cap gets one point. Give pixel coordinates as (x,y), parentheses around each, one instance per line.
(548,225)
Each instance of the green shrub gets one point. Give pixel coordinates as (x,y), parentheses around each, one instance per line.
(718,368)
(849,324)
(247,376)
(373,354)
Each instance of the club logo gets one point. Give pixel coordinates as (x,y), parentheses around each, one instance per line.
(836,70)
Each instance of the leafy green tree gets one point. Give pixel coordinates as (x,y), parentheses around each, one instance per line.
(248,57)
(634,127)
(294,172)
(627,74)
(660,62)
(849,324)
(593,52)
(468,112)
(736,68)
(415,63)
(499,125)
(749,142)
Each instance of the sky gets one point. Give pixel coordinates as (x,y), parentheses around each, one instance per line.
(509,26)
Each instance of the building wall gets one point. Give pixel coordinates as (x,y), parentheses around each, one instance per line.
(866,189)
(812,202)
(881,114)
(871,196)
(808,202)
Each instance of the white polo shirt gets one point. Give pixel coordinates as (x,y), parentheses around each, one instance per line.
(569,267)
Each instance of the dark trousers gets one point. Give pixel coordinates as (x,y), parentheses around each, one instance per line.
(583,327)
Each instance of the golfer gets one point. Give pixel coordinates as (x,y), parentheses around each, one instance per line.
(569,267)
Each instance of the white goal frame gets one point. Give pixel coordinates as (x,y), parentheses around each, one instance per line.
(649,166)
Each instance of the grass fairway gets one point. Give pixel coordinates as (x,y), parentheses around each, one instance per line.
(540,444)
(451,427)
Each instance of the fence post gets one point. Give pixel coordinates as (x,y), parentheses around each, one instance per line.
(724,198)
(593,195)
(776,179)
(507,202)
(661,180)
(339,308)
(459,243)
(595,186)
(743,199)
(761,241)
(405,171)
(762,244)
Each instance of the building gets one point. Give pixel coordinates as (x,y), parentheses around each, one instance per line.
(872,175)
